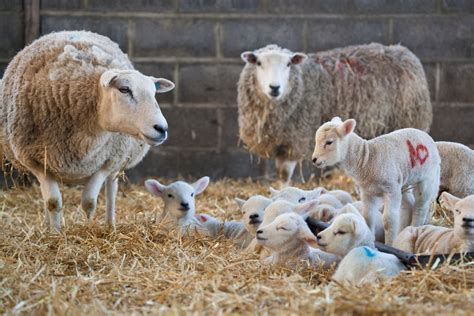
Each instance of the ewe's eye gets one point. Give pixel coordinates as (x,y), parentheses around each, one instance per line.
(329,142)
(259,63)
(170,195)
(302,200)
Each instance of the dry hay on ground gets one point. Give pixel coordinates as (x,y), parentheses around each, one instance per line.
(142,269)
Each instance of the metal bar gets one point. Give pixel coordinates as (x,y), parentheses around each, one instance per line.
(409,259)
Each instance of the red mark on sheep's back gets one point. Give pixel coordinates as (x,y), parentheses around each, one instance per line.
(420,153)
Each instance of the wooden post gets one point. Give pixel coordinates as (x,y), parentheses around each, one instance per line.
(32,20)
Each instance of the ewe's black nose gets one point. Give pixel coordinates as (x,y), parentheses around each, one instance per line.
(467,219)
(253,216)
(259,231)
(160,129)
(274,88)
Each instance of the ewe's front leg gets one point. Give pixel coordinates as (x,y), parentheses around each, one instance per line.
(111,187)
(391,215)
(91,192)
(285,168)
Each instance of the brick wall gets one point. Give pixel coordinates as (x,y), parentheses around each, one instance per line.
(197,43)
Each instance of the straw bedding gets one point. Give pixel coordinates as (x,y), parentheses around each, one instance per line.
(141,268)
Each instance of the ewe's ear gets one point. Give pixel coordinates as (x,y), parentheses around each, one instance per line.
(273,191)
(108,77)
(240,202)
(249,57)
(346,127)
(162,85)
(449,200)
(154,187)
(200,185)
(305,234)
(298,58)
(305,207)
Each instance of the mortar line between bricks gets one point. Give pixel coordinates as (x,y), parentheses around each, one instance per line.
(220,122)
(167,105)
(437,81)
(176,84)
(130,35)
(304,34)
(258,16)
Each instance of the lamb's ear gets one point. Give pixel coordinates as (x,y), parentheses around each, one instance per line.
(298,58)
(162,85)
(200,185)
(346,127)
(108,77)
(354,226)
(273,191)
(315,194)
(305,234)
(154,187)
(305,207)
(240,202)
(249,57)
(336,119)
(449,200)
(349,208)
(326,212)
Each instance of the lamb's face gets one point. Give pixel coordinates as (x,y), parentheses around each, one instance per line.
(463,210)
(295,195)
(128,105)
(286,229)
(273,70)
(275,209)
(179,196)
(331,142)
(343,234)
(253,210)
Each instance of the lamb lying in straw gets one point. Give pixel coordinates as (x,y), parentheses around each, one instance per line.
(434,239)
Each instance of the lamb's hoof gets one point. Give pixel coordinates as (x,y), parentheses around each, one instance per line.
(110,224)
(53,205)
(89,206)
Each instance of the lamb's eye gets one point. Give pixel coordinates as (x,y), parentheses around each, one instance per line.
(288,65)
(329,142)
(457,211)
(339,232)
(302,200)
(170,195)
(192,194)
(125,90)
(281,227)
(259,63)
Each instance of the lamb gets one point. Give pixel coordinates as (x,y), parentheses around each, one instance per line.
(289,237)
(383,168)
(283,95)
(337,198)
(350,237)
(457,168)
(73,109)
(179,210)
(434,239)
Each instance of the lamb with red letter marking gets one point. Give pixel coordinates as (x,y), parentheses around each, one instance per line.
(384,168)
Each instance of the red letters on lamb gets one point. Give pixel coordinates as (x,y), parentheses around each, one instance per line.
(419,153)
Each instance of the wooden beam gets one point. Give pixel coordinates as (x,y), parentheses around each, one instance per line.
(31,20)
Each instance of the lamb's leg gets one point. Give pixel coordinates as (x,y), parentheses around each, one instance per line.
(370,205)
(285,168)
(111,187)
(91,192)
(425,193)
(51,196)
(391,215)
(406,210)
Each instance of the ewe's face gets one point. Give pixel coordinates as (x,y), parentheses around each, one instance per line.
(273,71)
(463,210)
(128,105)
(331,142)
(279,232)
(253,210)
(340,236)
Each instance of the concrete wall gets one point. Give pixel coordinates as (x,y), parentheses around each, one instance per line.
(197,45)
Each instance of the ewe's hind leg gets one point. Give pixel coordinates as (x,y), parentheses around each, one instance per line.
(285,168)
(391,215)
(111,187)
(91,192)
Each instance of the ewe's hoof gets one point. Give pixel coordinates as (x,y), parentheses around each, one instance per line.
(89,206)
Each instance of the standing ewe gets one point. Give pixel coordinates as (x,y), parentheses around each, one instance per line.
(457,168)
(283,96)
(383,167)
(289,237)
(72,108)
(179,198)
(435,239)
(350,237)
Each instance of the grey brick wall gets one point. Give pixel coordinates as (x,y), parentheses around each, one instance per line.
(197,43)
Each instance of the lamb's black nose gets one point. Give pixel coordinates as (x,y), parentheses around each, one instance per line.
(185,205)
(318,237)
(253,216)
(275,88)
(314,160)
(160,129)
(467,219)
(259,231)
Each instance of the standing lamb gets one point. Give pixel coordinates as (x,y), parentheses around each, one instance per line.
(457,168)
(435,239)
(383,168)
(283,96)
(72,108)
